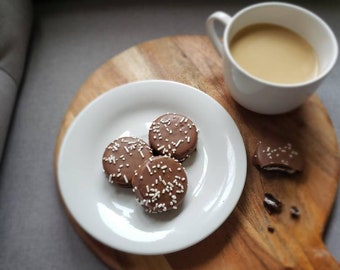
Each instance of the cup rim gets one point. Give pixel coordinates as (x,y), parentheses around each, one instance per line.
(273,84)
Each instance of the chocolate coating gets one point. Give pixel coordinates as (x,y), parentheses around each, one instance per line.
(173,135)
(160,184)
(275,154)
(122,157)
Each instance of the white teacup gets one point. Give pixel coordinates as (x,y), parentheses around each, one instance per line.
(263,96)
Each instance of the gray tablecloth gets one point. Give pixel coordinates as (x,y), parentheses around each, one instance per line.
(15,26)
(70,40)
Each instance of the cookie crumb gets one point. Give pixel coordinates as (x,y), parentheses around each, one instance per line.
(270,229)
(276,154)
(294,212)
(271,204)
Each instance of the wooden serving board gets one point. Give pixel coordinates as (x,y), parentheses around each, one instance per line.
(243,240)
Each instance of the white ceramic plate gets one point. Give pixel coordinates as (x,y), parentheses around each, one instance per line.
(216,172)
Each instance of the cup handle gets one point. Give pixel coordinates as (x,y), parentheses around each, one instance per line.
(223,18)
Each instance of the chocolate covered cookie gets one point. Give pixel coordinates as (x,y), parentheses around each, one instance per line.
(122,157)
(160,184)
(275,154)
(173,135)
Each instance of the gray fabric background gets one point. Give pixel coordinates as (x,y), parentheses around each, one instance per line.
(15,25)
(70,40)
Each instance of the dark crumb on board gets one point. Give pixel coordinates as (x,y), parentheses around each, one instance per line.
(294,212)
(271,204)
(270,229)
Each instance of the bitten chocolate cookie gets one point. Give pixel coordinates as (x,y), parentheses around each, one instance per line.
(275,154)
(160,184)
(173,135)
(122,157)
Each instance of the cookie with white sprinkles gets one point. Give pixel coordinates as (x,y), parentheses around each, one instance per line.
(160,184)
(173,135)
(122,157)
(277,154)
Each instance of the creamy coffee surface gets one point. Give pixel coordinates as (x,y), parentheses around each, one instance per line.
(274,53)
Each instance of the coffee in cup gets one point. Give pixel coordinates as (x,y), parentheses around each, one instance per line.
(302,41)
(274,53)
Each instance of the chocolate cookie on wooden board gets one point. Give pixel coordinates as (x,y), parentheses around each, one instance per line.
(160,184)
(173,135)
(123,157)
(278,154)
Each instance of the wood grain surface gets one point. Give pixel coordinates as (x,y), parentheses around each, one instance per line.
(243,240)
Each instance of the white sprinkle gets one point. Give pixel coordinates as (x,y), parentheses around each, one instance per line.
(125,179)
(147,166)
(141,153)
(160,148)
(178,143)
